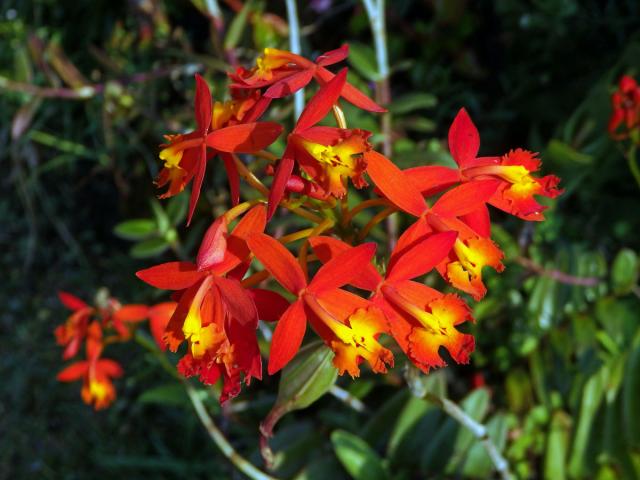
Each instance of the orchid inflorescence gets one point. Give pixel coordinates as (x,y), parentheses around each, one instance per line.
(348,302)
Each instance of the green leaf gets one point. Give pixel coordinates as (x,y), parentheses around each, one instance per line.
(624,272)
(411,102)
(477,463)
(630,396)
(136,229)
(236,29)
(177,208)
(411,413)
(357,457)
(169,394)
(363,59)
(591,399)
(557,446)
(149,248)
(564,153)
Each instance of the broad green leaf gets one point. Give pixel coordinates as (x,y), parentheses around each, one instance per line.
(162,218)
(177,208)
(411,102)
(357,457)
(149,248)
(169,394)
(624,272)
(631,398)
(408,417)
(136,229)
(564,153)
(363,59)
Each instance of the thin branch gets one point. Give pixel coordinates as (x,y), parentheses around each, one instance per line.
(478,430)
(220,440)
(89,91)
(557,275)
(295,47)
(348,399)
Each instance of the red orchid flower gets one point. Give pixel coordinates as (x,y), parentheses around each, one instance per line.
(625,103)
(515,193)
(472,249)
(185,156)
(348,324)
(328,155)
(420,318)
(158,316)
(284,73)
(72,333)
(214,314)
(96,374)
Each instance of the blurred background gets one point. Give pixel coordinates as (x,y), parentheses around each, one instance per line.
(87,89)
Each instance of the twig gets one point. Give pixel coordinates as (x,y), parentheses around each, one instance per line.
(376,13)
(92,90)
(478,430)
(557,274)
(294,45)
(348,399)
(220,440)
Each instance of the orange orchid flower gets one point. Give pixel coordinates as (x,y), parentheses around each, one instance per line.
(72,333)
(283,73)
(459,209)
(420,318)
(214,314)
(185,156)
(348,324)
(96,374)
(514,194)
(328,155)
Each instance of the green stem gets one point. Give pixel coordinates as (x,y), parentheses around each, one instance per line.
(478,430)
(295,47)
(220,440)
(633,164)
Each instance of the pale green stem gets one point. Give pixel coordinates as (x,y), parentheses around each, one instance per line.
(221,441)
(478,430)
(295,47)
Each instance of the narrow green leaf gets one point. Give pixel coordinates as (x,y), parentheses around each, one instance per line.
(557,446)
(136,229)
(363,59)
(149,248)
(169,394)
(411,102)
(236,29)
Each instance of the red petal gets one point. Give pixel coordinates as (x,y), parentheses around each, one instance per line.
(197,182)
(110,368)
(287,336)
(327,248)
(289,85)
(278,261)
(233,176)
(350,93)
(213,246)
(421,257)
(280,179)
(479,221)
(465,198)
(237,301)
(333,56)
(343,268)
(73,372)
(432,179)
(244,138)
(464,140)
(71,301)
(159,316)
(203,104)
(171,276)
(394,184)
(132,313)
(270,305)
(321,103)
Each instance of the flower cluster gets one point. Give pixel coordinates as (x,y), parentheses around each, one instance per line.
(625,117)
(345,299)
(96,327)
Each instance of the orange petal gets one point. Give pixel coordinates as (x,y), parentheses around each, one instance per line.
(244,138)
(203,104)
(343,268)
(287,336)
(213,246)
(393,183)
(422,257)
(71,301)
(278,261)
(73,372)
(171,276)
(132,313)
(465,198)
(320,104)
(464,140)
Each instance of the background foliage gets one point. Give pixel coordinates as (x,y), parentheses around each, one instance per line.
(555,375)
